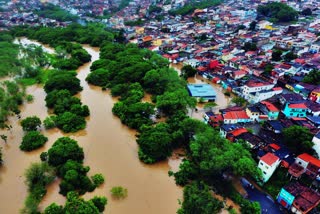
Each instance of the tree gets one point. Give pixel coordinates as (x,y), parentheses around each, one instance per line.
(4,138)
(276,55)
(38,176)
(33,140)
(49,122)
(298,139)
(198,199)
(54,209)
(64,149)
(239,101)
(154,143)
(250,46)
(99,202)
(188,71)
(252,25)
(290,56)
(1,159)
(119,192)
(77,205)
(313,77)
(306,12)
(278,12)
(268,68)
(63,80)
(99,77)
(69,122)
(31,123)
(97,179)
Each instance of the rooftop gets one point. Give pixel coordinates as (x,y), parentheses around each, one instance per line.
(269,159)
(201,90)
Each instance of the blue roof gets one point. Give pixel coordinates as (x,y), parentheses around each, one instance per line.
(201,90)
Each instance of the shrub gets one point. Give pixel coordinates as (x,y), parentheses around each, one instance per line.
(49,122)
(33,140)
(31,123)
(119,192)
(97,179)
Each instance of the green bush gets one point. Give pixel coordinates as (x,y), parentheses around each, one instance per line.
(31,123)
(49,122)
(97,179)
(119,192)
(69,122)
(33,140)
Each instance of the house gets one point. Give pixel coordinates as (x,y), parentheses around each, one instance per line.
(233,117)
(235,133)
(298,199)
(272,110)
(268,164)
(202,91)
(274,125)
(315,95)
(255,86)
(253,112)
(310,164)
(224,129)
(216,120)
(295,110)
(316,141)
(252,140)
(238,74)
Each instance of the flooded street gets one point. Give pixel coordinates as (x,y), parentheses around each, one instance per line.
(109,148)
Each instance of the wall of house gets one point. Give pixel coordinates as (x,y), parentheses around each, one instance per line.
(267,170)
(272,115)
(302,163)
(289,112)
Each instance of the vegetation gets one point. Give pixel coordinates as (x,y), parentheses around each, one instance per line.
(11,96)
(239,101)
(49,122)
(250,46)
(188,71)
(1,156)
(65,149)
(33,140)
(31,123)
(97,179)
(70,122)
(74,178)
(63,80)
(55,12)
(198,199)
(190,7)
(38,176)
(313,77)
(155,143)
(77,205)
(276,55)
(298,139)
(278,12)
(137,22)
(119,192)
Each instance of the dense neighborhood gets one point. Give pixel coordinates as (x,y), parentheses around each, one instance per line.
(270,69)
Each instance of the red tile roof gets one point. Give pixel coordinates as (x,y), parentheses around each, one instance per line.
(269,159)
(238,132)
(274,146)
(298,105)
(232,115)
(310,159)
(270,106)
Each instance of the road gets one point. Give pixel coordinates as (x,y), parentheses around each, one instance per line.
(268,206)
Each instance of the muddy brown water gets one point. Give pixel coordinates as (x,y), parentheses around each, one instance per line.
(109,148)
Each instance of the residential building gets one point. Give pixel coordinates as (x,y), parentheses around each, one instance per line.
(295,110)
(268,164)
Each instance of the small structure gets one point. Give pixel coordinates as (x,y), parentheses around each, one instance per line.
(298,199)
(202,91)
(295,110)
(268,164)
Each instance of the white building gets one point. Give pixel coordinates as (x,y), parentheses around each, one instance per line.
(268,164)
(316,141)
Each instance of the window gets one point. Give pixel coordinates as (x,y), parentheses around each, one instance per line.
(299,162)
(261,163)
(267,167)
(264,172)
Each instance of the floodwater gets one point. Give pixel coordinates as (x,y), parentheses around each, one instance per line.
(109,148)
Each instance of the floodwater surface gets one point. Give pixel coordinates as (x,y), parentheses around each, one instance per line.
(109,148)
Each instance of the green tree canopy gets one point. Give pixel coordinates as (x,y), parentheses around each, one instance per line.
(197,198)
(31,123)
(64,149)
(298,139)
(33,140)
